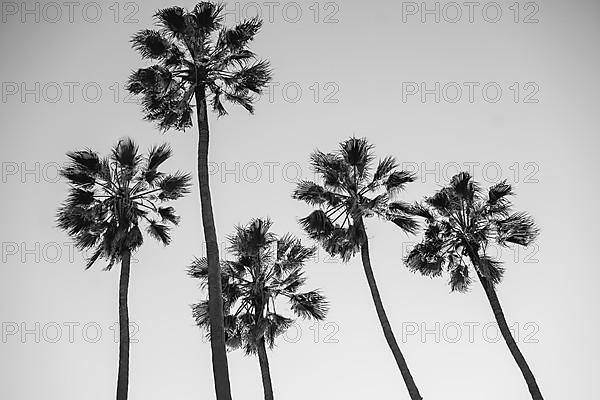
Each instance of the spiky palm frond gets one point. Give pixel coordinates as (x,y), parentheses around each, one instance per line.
(109,197)
(157,156)
(358,154)
(397,180)
(460,281)
(491,269)
(151,44)
(425,260)
(291,254)
(237,38)
(316,195)
(276,325)
(159,232)
(207,17)
(174,186)
(385,167)
(405,222)
(255,280)
(317,225)
(499,191)
(172,20)
(309,305)
(518,228)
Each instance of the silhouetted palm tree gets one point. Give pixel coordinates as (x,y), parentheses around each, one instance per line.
(352,191)
(266,268)
(461,221)
(196,58)
(109,198)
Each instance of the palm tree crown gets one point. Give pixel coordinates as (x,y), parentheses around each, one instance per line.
(461,221)
(193,50)
(352,188)
(266,268)
(109,197)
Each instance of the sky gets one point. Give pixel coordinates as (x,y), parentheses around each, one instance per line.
(506,90)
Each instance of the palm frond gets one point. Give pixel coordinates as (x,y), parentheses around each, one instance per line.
(398,179)
(172,20)
(126,153)
(310,305)
(134,238)
(174,186)
(151,44)
(404,222)
(85,161)
(276,325)
(198,268)
(158,155)
(159,232)
(291,254)
(315,195)
(421,210)
(317,225)
(236,38)
(518,228)
(491,269)
(357,152)
(208,17)
(253,77)
(93,258)
(200,314)
(154,80)
(167,214)
(421,259)
(384,168)
(463,186)
(440,201)
(78,178)
(459,279)
(80,197)
(499,191)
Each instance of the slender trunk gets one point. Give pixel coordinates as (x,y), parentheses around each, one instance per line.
(413,391)
(215,299)
(488,287)
(123,376)
(264,369)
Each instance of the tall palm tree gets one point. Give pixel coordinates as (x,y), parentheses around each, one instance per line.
(196,59)
(461,221)
(351,192)
(266,268)
(109,198)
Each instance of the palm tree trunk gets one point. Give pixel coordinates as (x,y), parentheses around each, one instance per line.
(488,287)
(264,369)
(215,299)
(123,375)
(413,391)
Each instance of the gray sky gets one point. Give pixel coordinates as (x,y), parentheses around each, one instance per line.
(341,68)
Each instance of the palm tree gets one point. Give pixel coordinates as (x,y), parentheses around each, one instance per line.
(266,268)
(461,221)
(108,200)
(196,58)
(351,192)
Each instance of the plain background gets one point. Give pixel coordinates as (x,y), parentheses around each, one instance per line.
(337,73)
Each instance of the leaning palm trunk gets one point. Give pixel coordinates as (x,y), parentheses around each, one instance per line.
(264,369)
(506,334)
(215,299)
(123,375)
(383,319)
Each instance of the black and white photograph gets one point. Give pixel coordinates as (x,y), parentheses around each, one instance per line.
(290,200)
